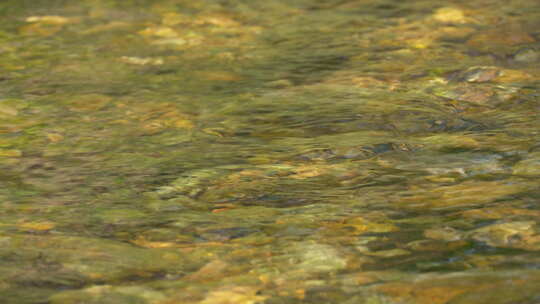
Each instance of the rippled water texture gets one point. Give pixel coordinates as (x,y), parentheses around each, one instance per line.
(269,152)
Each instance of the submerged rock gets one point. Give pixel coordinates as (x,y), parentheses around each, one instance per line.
(314,257)
(443,234)
(191,183)
(500,212)
(385,253)
(107,294)
(499,287)
(469,193)
(450,15)
(362,225)
(476,74)
(234,295)
(527,55)
(500,40)
(519,235)
(530,166)
(93,260)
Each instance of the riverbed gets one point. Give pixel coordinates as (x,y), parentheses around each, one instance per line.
(269,152)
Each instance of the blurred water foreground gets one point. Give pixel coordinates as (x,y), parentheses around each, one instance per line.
(269,152)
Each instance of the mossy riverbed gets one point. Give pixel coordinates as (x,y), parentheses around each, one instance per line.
(265,152)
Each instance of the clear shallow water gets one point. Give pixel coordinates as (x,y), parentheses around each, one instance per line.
(269,152)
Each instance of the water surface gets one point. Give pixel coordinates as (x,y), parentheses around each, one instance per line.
(214,152)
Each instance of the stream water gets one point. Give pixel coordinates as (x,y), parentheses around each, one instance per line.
(269,152)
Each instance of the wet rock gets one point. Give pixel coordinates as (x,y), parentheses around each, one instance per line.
(390,253)
(435,245)
(455,34)
(211,271)
(7,110)
(529,166)
(323,293)
(36,226)
(49,19)
(527,55)
(444,234)
(463,288)
(98,260)
(450,167)
(234,295)
(308,171)
(483,261)
(141,61)
(353,78)
(450,15)
(476,74)
(225,234)
(314,257)
(88,102)
(55,137)
(466,92)
(45,25)
(320,154)
(191,183)
(500,41)
(509,76)
(159,31)
(519,235)
(467,193)
(351,282)
(499,212)
(107,294)
(453,125)
(363,225)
